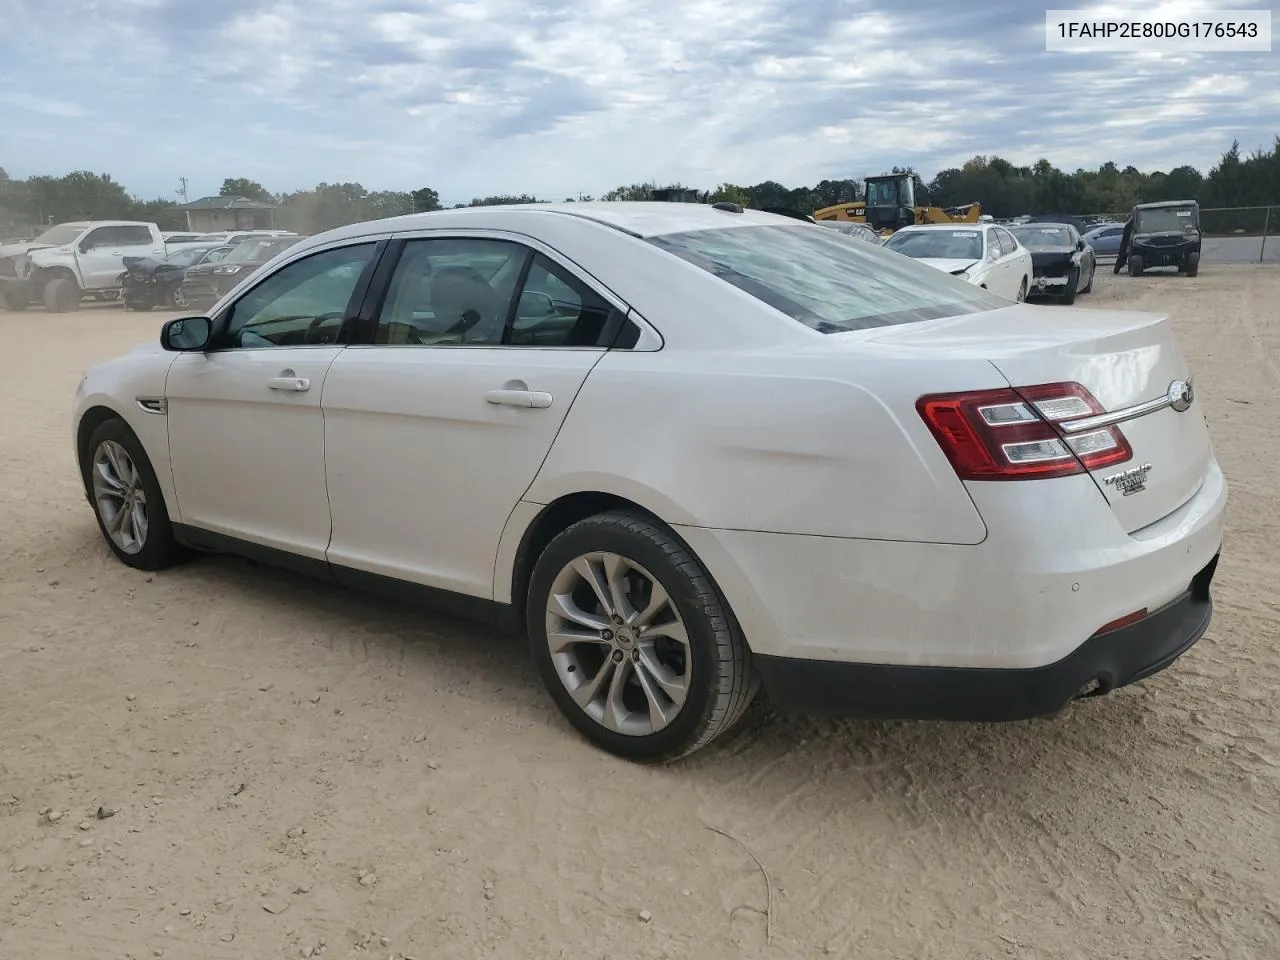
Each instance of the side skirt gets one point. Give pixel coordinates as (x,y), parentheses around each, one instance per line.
(501,616)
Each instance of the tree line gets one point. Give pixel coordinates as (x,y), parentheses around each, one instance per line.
(1003,189)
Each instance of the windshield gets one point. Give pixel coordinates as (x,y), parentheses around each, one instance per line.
(819,278)
(883,193)
(1042,238)
(937,244)
(1165,219)
(263,249)
(61,235)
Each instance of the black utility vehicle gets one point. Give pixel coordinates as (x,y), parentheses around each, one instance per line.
(1165,234)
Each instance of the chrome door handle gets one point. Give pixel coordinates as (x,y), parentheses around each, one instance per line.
(294,384)
(520,398)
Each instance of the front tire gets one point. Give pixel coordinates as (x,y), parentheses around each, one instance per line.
(127,499)
(1135,266)
(633,641)
(61,295)
(1073,281)
(15,300)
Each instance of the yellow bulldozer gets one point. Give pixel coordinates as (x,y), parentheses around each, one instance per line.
(890,205)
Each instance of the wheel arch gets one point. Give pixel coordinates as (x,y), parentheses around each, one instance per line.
(45,275)
(556,517)
(98,410)
(94,417)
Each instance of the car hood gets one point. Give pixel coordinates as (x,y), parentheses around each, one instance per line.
(947,265)
(18,249)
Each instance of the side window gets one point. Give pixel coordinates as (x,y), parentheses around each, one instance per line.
(134,236)
(98,237)
(451,291)
(302,304)
(1008,241)
(994,249)
(556,309)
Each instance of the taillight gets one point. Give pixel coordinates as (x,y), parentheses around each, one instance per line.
(1011,434)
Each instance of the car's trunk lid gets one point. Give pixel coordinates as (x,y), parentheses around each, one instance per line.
(1125,359)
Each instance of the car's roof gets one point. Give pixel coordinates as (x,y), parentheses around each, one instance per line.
(638,218)
(1165,203)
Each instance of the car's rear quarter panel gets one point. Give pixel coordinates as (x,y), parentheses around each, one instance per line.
(826,446)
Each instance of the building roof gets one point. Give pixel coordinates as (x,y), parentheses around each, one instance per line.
(226,203)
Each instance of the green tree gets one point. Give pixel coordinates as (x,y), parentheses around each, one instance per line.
(424,200)
(502,199)
(249,189)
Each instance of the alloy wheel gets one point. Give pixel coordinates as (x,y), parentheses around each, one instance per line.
(618,644)
(119,497)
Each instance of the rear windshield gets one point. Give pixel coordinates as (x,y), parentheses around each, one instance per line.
(817,277)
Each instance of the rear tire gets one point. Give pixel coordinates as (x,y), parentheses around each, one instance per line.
(1093,272)
(655,693)
(61,295)
(126,498)
(1022,290)
(1135,266)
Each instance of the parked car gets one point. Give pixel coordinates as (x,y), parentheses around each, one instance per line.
(235,236)
(1105,239)
(205,283)
(986,256)
(1064,264)
(147,282)
(1165,234)
(688,452)
(173,237)
(71,261)
(859,231)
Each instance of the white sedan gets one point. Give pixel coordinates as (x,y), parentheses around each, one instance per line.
(987,256)
(688,451)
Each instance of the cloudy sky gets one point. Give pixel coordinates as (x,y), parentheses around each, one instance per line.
(557,97)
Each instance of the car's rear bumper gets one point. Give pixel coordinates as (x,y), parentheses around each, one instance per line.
(888,691)
(1020,611)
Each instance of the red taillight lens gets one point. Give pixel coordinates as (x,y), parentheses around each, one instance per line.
(1011,434)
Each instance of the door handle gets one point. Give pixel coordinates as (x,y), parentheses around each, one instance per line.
(520,398)
(294,384)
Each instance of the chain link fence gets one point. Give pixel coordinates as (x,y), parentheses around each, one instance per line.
(1240,234)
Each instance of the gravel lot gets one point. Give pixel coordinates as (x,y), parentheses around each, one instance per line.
(295,767)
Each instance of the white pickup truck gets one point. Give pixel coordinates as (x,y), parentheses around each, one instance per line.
(72,261)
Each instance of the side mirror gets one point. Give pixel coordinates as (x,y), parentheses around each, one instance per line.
(85,246)
(186,334)
(535,303)
(1080,244)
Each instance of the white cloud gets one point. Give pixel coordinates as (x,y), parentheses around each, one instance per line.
(554,97)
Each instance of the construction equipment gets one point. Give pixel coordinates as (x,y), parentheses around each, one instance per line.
(890,204)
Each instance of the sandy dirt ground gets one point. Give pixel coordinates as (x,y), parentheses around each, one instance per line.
(301,771)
